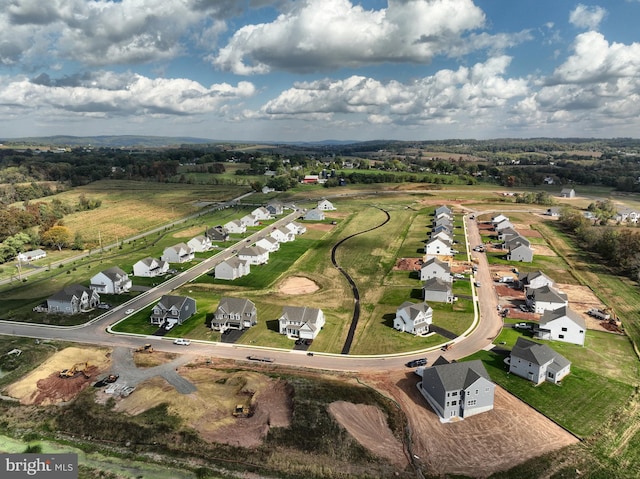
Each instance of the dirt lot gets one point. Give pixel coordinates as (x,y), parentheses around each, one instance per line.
(478,446)
(408,264)
(319,226)
(297,285)
(581,299)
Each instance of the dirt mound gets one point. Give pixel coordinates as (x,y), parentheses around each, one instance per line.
(298,285)
(368,425)
(54,389)
(408,264)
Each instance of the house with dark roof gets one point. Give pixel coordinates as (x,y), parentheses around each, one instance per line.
(537,362)
(506,233)
(520,252)
(172,310)
(234,313)
(275,207)
(111,281)
(436,290)
(515,241)
(545,298)
(562,324)
(503,225)
(301,322)
(434,268)
(73,299)
(217,233)
(457,390)
(443,221)
(413,318)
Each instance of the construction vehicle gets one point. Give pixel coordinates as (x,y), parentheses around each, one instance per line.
(78,368)
(599,314)
(111,378)
(147,348)
(241,411)
(261,359)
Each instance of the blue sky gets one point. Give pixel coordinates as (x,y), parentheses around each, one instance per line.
(310,70)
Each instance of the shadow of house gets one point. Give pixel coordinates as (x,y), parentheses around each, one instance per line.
(273,325)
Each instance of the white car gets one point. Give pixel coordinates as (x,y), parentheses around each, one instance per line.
(182,342)
(458,276)
(129,311)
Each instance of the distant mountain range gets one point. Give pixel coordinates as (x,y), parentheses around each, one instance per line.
(123,141)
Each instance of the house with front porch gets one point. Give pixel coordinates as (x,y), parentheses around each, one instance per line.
(537,362)
(172,310)
(232,268)
(234,313)
(180,253)
(301,322)
(254,255)
(413,318)
(562,324)
(457,390)
(200,243)
(150,268)
(111,281)
(73,299)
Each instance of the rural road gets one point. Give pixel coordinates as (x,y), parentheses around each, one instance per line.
(95,332)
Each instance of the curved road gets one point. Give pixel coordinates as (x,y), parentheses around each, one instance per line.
(95,332)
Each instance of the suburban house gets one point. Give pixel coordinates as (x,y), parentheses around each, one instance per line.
(150,267)
(442,228)
(253,255)
(249,220)
(32,255)
(444,215)
(507,233)
(311,179)
(180,253)
(325,205)
(282,235)
(502,225)
(443,209)
(301,322)
(235,227)
(436,290)
(231,269)
(554,211)
(217,233)
(172,310)
(515,241)
(434,268)
(296,228)
(437,247)
(200,243)
(314,215)
(499,219)
(268,243)
(533,280)
(521,253)
(443,222)
(261,213)
(234,313)
(275,207)
(567,193)
(443,235)
(413,318)
(537,362)
(627,215)
(457,390)
(545,298)
(73,299)
(562,324)
(111,281)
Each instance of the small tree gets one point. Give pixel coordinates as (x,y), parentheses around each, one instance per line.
(58,236)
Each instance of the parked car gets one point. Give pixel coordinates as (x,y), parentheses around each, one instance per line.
(523,326)
(129,311)
(477,284)
(104,306)
(458,276)
(524,308)
(417,362)
(182,342)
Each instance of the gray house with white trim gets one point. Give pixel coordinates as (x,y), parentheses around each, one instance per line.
(435,289)
(234,313)
(413,318)
(301,322)
(111,281)
(172,310)
(537,362)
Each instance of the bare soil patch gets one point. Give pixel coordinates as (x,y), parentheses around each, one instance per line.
(480,445)
(319,226)
(581,300)
(368,425)
(542,250)
(408,264)
(527,233)
(144,359)
(298,285)
(43,386)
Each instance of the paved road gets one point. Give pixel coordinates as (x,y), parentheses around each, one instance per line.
(487,327)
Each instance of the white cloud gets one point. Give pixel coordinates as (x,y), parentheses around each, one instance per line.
(316,35)
(449,95)
(113,94)
(587,17)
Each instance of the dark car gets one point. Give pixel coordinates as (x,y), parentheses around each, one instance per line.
(417,362)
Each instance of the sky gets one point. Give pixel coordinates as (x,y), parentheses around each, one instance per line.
(313,70)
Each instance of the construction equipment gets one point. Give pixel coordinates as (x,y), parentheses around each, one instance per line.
(147,348)
(241,411)
(78,368)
